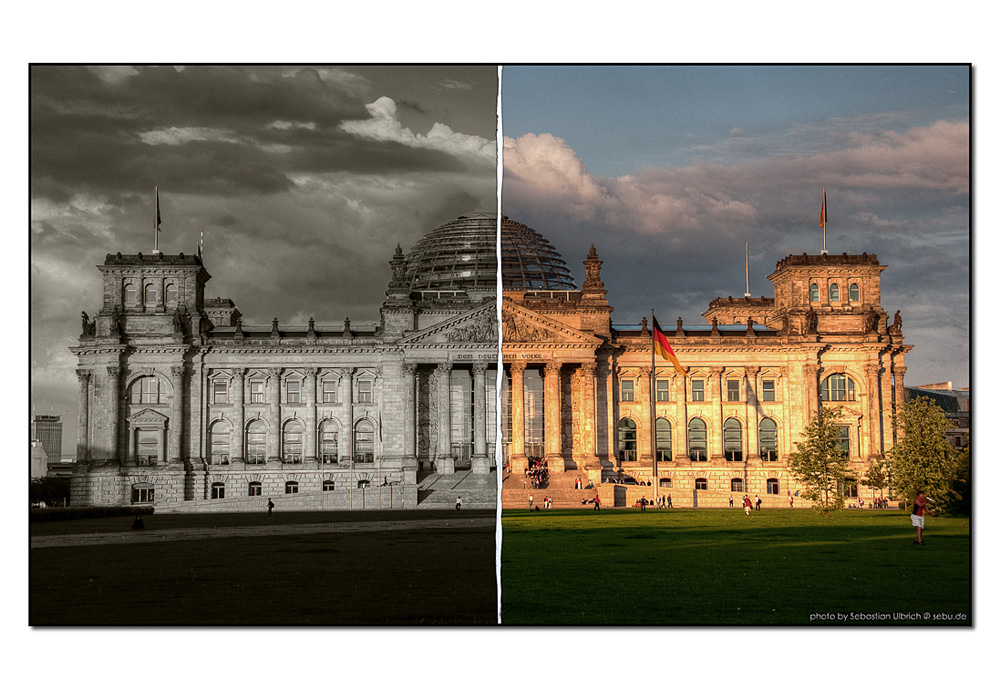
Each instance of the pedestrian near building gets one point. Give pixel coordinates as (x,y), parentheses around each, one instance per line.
(531,501)
(458,504)
(270,507)
(756,502)
(730,501)
(597,502)
(746,505)
(670,503)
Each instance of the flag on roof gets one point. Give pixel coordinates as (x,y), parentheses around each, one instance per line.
(662,347)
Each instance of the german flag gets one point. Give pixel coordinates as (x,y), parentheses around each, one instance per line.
(822,211)
(662,347)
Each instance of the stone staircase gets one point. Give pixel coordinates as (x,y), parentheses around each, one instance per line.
(560,488)
(440,491)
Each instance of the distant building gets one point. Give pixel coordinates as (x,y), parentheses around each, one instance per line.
(39,460)
(47,430)
(956,406)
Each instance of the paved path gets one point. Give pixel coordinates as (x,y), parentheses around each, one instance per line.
(187,534)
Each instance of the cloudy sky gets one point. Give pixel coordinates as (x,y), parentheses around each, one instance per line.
(670,170)
(304,180)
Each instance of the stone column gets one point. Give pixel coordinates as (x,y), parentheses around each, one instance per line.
(446,460)
(752,415)
(553,417)
(410,464)
(681,436)
(644,440)
(588,422)
(348,398)
(114,412)
(899,396)
(715,428)
(83,416)
(274,414)
(309,441)
(518,460)
(481,456)
(174,449)
(239,415)
(874,418)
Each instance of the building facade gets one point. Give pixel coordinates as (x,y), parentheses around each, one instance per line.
(46,429)
(182,405)
(581,394)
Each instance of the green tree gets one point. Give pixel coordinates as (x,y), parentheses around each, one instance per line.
(877,475)
(963,483)
(922,458)
(819,462)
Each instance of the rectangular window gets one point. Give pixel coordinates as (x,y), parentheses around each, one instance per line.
(767,390)
(628,391)
(662,390)
(329,391)
(293,391)
(218,491)
(697,391)
(365,391)
(844,443)
(254,489)
(220,392)
(733,390)
(256,392)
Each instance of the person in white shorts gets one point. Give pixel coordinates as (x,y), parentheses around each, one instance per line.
(917,516)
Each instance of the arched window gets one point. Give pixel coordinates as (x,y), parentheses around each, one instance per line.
(732,439)
(145,390)
(291,442)
(218,491)
(364,441)
(813,292)
(736,485)
(834,291)
(291,487)
(768,434)
(256,442)
(626,440)
(149,294)
(219,432)
(664,445)
(328,447)
(254,489)
(772,486)
(837,388)
(131,294)
(170,294)
(854,292)
(701,484)
(697,440)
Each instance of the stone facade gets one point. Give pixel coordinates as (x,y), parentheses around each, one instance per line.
(756,374)
(182,405)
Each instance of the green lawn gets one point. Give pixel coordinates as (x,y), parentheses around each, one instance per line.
(720,567)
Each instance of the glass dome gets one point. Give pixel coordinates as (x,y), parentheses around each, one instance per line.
(455,257)
(529,261)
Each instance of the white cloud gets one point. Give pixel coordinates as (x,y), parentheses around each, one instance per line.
(384,126)
(175,136)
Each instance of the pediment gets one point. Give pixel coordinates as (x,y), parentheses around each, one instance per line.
(523,326)
(477,327)
(148,417)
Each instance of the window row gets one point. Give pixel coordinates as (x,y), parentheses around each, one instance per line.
(151,390)
(150,293)
(736,485)
(733,390)
(291,444)
(853,292)
(697,440)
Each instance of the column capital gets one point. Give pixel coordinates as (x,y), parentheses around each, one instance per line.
(645,371)
(518,366)
(178,371)
(553,367)
(480,367)
(716,370)
(238,372)
(114,371)
(811,369)
(589,368)
(751,371)
(898,370)
(84,374)
(445,366)
(311,372)
(409,368)
(274,372)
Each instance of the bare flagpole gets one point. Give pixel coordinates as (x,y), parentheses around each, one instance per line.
(747,293)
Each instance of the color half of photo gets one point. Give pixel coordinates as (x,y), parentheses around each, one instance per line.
(736,325)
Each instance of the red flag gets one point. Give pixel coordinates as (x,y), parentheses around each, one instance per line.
(662,347)
(822,212)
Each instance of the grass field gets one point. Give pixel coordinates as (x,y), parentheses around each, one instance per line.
(720,567)
(328,568)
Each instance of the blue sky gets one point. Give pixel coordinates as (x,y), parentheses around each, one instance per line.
(669,170)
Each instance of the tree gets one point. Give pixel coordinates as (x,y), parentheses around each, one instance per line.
(877,475)
(819,462)
(922,458)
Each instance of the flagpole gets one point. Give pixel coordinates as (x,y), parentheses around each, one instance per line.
(823,221)
(652,406)
(747,293)
(156,220)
